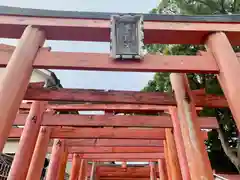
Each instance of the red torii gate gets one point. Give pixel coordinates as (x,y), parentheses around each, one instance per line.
(184,151)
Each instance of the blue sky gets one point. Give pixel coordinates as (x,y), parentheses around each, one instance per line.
(91,79)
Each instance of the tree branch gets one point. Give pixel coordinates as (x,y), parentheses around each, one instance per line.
(210,7)
(224,143)
(223,8)
(228,151)
(238,146)
(234,6)
(206,4)
(196,83)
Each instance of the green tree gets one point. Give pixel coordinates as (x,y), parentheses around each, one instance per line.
(223,144)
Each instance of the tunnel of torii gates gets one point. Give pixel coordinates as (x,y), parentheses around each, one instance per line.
(172,143)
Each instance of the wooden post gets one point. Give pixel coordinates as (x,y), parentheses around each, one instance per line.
(14,82)
(39,154)
(124,164)
(97,176)
(198,162)
(179,144)
(54,165)
(172,155)
(93,171)
(168,167)
(75,167)
(82,170)
(152,171)
(229,67)
(22,158)
(63,165)
(161,169)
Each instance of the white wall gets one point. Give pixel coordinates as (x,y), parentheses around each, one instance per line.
(37,75)
(11,147)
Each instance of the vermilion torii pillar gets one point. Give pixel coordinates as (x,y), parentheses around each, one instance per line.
(15,80)
(166,156)
(22,158)
(179,144)
(124,164)
(83,170)
(162,170)
(75,167)
(54,165)
(152,171)
(229,67)
(93,171)
(198,162)
(172,156)
(39,154)
(63,164)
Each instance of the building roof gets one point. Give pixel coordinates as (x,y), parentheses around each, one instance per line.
(5,10)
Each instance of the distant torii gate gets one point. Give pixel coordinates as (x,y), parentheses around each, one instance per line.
(178,147)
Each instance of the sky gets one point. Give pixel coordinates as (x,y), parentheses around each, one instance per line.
(91,79)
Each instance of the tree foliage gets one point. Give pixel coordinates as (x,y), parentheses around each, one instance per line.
(198,7)
(223,145)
